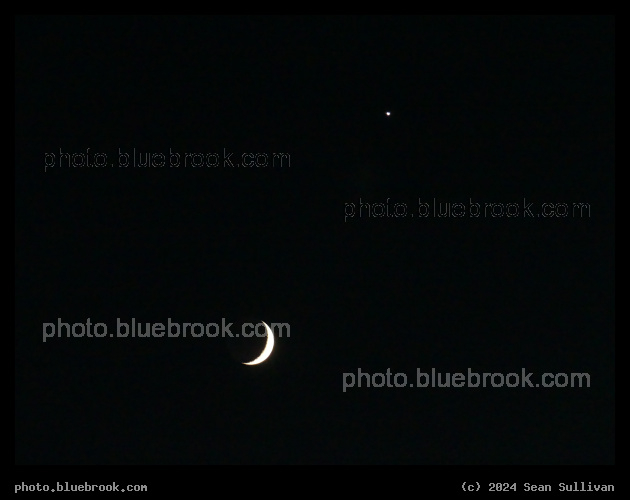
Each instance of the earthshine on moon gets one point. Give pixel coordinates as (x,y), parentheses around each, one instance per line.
(267,350)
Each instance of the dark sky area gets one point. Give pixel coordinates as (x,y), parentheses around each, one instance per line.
(483,110)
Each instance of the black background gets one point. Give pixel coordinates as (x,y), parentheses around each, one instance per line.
(496,109)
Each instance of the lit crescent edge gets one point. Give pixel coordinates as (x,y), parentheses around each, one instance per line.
(268,347)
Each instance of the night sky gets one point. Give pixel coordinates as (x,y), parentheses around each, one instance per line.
(483,110)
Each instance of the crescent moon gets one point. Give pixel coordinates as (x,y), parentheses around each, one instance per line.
(268,347)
